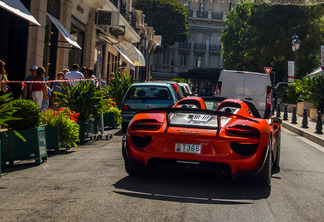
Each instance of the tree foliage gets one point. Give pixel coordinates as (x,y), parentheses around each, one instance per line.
(118,87)
(258,36)
(169,18)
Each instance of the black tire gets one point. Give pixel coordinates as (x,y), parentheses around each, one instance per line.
(264,176)
(277,161)
(124,127)
(134,169)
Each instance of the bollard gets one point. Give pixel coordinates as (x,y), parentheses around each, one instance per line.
(294,116)
(285,115)
(278,111)
(319,126)
(305,120)
(273,109)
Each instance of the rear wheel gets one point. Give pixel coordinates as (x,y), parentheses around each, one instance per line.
(264,177)
(124,127)
(134,169)
(277,161)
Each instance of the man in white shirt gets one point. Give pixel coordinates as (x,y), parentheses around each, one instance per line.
(74,74)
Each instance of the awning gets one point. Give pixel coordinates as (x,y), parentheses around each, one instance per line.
(130,64)
(107,39)
(17,8)
(64,32)
(135,55)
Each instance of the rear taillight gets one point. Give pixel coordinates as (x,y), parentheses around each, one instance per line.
(268,97)
(242,131)
(218,89)
(146,124)
(175,87)
(125,107)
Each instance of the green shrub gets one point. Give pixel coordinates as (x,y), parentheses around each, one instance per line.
(179,80)
(29,113)
(65,120)
(317,91)
(85,98)
(117,112)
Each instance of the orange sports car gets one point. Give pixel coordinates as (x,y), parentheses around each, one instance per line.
(231,137)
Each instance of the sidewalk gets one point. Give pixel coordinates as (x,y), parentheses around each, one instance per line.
(308,133)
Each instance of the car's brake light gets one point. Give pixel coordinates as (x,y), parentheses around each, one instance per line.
(146,124)
(125,107)
(268,97)
(175,87)
(242,131)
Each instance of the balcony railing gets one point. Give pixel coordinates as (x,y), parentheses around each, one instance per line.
(199,14)
(214,48)
(184,45)
(217,15)
(200,46)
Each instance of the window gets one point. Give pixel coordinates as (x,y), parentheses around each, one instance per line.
(186,4)
(183,60)
(201,7)
(198,62)
(166,58)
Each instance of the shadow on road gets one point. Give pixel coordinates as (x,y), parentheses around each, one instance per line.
(192,188)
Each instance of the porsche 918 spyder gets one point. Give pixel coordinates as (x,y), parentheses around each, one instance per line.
(233,138)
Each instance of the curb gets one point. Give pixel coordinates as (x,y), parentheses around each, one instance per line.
(316,138)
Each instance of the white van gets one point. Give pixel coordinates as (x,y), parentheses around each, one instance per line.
(185,89)
(249,86)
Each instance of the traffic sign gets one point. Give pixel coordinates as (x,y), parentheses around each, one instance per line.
(268,69)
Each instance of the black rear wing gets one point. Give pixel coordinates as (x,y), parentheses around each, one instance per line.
(219,114)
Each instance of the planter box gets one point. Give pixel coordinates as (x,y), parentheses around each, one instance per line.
(313,115)
(52,139)
(13,148)
(86,130)
(0,160)
(301,106)
(109,120)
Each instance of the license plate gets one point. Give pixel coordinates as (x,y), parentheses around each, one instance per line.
(187,148)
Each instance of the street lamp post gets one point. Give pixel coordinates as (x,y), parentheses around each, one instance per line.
(295,44)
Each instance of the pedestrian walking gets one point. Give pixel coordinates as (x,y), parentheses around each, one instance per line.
(26,89)
(45,102)
(38,90)
(74,74)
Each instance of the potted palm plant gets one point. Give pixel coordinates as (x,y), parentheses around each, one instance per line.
(28,126)
(85,99)
(5,116)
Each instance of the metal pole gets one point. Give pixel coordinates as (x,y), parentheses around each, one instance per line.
(99,77)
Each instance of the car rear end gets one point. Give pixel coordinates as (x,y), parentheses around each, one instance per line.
(197,138)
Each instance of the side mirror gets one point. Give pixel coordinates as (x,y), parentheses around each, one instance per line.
(275,120)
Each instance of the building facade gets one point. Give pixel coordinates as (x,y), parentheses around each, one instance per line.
(108,35)
(201,53)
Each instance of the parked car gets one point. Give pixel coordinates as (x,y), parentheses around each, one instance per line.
(233,139)
(148,95)
(247,86)
(185,89)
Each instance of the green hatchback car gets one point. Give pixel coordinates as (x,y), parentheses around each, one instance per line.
(148,95)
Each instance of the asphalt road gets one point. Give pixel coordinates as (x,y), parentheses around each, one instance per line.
(89,183)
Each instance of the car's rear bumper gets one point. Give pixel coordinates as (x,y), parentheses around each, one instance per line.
(229,162)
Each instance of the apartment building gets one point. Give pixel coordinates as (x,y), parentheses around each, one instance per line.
(199,58)
(56,34)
